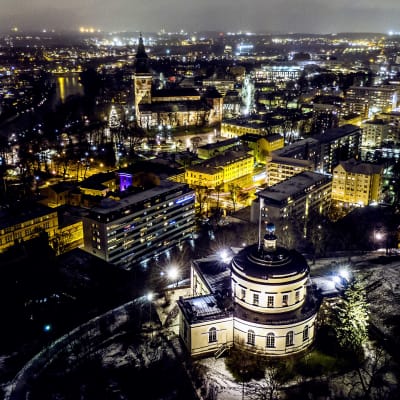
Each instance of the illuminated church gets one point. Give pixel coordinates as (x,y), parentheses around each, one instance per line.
(175,107)
(260,301)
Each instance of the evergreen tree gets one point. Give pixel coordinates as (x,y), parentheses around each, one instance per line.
(351,318)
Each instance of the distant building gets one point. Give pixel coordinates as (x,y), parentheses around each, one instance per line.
(260,302)
(393,119)
(356,183)
(370,100)
(177,107)
(140,224)
(374,133)
(294,198)
(221,170)
(64,232)
(262,146)
(282,168)
(240,126)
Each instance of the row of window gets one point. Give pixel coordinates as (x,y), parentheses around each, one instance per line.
(271,299)
(270,338)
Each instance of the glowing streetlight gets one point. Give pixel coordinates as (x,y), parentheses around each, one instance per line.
(173,274)
(225,256)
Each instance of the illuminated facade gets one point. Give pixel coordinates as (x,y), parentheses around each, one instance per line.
(27,225)
(220,170)
(369,100)
(239,127)
(282,168)
(356,184)
(262,147)
(374,133)
(32,222)
(294,198)
(179,107)
(140,225)
(260,302)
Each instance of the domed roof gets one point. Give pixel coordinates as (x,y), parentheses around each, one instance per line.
(261,263)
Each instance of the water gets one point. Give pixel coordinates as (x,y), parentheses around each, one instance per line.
(66,85)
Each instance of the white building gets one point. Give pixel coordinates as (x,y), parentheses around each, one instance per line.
(259,302)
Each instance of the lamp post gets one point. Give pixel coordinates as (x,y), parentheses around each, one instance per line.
(149,297)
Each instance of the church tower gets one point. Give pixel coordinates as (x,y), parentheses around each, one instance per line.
(142,78)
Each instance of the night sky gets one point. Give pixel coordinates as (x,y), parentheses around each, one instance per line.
(308,16)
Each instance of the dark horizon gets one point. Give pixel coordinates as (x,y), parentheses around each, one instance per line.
(313,16)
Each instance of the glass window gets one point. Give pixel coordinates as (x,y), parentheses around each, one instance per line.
(270,340)
(270,301)
(289,338)
(256,299)
(297,296)
(243,294)
(251,338)
(212,335)
(285,299)
(305,333)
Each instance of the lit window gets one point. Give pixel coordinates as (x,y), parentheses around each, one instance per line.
(212,335)
(289,338)
(251,338)
(285,299)
(270,340)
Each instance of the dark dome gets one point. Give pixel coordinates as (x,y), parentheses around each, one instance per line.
(260,263)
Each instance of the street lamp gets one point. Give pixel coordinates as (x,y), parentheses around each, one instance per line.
(173,274)
(149,298)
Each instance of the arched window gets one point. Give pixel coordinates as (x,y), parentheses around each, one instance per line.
(251,338)
(270,340)
(212,335)
(305,333)
(289,338)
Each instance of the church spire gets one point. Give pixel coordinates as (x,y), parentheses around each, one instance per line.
(142,59)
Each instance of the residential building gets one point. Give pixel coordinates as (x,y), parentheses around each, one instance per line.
(370,100)
(294,198)
(140,224)
(374,133)
(356,183)
(240,126)
(279,169)
(221,170)
(64,231)
(263,146)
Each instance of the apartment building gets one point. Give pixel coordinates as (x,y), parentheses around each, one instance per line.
(140,224)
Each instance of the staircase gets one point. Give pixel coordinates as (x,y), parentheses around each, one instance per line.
(221,350)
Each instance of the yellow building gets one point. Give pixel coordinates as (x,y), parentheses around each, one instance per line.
(239,127)
(356,184)
(262,146)
(259,302)
(27,225)
(220,170)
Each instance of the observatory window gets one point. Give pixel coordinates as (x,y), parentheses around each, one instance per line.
(270,340)
(270,301)
(212,335)
(256,299)
(289,338)
(251,338)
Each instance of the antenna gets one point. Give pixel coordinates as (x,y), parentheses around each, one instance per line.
(261,201)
